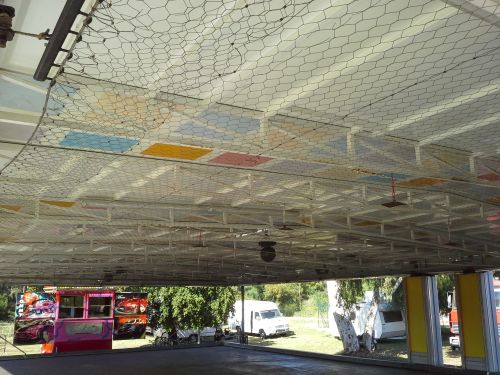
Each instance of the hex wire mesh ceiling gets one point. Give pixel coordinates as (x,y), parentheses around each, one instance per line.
(361,136)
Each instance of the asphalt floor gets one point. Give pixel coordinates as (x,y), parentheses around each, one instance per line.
(220,360)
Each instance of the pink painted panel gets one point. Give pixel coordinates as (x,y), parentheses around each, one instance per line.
(490,177)
(83,334)
(242,160)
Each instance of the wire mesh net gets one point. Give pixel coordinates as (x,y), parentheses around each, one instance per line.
(178,134)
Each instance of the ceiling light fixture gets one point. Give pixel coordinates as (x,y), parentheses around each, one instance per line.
(394,202)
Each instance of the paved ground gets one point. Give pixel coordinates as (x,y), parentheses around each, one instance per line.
(209,360)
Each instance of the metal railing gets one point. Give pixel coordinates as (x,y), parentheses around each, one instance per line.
(6,342)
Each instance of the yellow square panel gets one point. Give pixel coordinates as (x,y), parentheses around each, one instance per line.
(164,150)
(4,239)
(60,203)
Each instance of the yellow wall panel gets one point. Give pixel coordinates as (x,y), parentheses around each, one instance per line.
(416,314)
(471,324)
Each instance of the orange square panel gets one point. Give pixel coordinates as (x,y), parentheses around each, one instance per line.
(242,160)
(10,207)
(422,181)
(494,200)
(164,150)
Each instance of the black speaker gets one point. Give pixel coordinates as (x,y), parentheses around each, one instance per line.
(267,253)
(6,32)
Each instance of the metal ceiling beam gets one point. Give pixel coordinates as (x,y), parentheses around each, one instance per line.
(460,129)
(445,105)
(481,10)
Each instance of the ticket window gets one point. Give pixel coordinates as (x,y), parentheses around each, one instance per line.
(71,306)
(100,307)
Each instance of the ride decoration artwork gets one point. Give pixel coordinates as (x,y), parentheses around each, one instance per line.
(34,317)
(236,119)
(130,315)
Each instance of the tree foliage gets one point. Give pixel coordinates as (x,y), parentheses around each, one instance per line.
(445,285)
(255,292)
(351,292)
(390,288)
(192,307)
(289,296)
(7,302)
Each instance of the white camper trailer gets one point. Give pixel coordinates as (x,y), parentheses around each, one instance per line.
(262,318)
(389,322)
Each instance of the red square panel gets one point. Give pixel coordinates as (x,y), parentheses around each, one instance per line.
(242,160)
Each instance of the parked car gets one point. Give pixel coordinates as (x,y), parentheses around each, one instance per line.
(183,336)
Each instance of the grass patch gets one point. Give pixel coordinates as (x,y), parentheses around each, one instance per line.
(305,337)
(309,338)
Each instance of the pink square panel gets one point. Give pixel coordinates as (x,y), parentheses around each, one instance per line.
(242,160)
(490,177)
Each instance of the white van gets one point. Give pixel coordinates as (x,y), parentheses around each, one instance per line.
(262,318)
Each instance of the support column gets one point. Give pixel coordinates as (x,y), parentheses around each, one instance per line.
(477,319)
(242,336)
(422,320)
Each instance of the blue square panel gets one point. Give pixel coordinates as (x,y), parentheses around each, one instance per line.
(92,141)
(234,123)
(192,129)
(339,144)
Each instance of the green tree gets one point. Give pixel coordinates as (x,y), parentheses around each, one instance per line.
(445,285)
(287,296)
(192,307)
(7,302)
(313,288)
(254,292)
(320,299)
(351,292)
